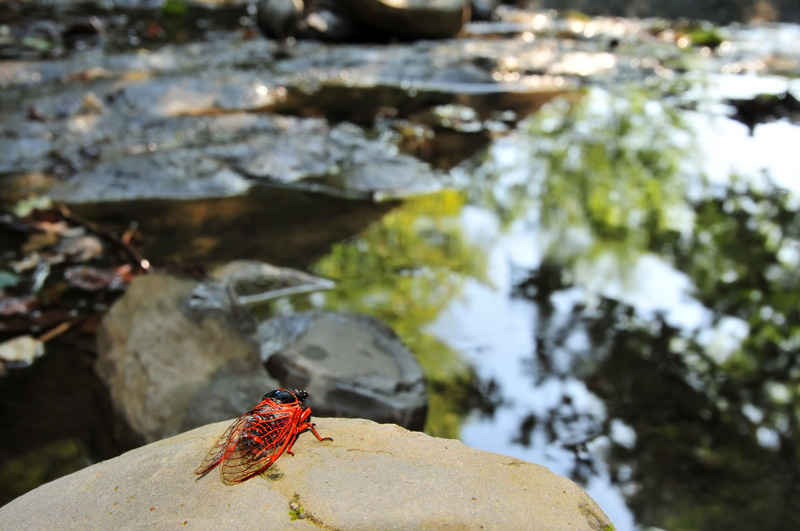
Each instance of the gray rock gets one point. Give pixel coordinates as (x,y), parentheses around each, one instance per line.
(193,122)
(354,366)
(414,19)
(279,19)
(340,161)
(176,354)
(327,20)
(255,281)
(241,284)
(231,154)
(179,174)
(369,477)
(167,372)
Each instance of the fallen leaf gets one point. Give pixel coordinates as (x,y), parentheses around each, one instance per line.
(39,241)
(18,305)
(92,278)
(8,279)
(21,351)
(81,249)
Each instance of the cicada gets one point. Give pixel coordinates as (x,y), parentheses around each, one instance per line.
(256,439)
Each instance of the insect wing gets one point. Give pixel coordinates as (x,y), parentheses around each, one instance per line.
(263,438)
(224,446)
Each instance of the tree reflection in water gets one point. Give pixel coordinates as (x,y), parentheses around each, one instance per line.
(711,416)
(588,302)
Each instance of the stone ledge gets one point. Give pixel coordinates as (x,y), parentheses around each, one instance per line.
(371,476)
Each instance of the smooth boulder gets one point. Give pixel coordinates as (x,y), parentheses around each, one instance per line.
(169,370)
(371,476)
(177,353)
(412,19)
(351,364)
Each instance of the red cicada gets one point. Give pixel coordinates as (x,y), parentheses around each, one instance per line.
(256,439)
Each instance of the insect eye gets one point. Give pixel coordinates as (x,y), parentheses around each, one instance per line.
(281,396)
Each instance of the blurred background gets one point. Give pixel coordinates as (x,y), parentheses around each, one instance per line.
(582,225)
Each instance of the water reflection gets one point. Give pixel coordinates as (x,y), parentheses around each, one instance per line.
(628,309)
(656,336)
(405,270)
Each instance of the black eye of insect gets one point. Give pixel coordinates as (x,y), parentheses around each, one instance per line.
(285,396)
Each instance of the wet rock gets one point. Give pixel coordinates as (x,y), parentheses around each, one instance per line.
(84,33)
(202,157)
(482,10)
(176,353)
(279,19)
(353,364)
(167,372)
(254,282)
(339,161)
(327,20)
(191,120)
(20,351)
(413,19)
(178,174)
(369,477)
(247,283)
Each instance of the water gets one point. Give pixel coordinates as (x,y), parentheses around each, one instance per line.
(610,291)
(614,270)
(498,331)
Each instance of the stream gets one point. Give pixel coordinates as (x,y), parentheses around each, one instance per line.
(601,279)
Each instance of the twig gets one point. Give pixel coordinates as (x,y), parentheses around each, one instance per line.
(59,329)
(140,261)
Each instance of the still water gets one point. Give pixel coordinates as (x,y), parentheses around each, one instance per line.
(620,276)
(611,291)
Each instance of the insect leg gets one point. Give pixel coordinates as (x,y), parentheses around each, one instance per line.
(309,426)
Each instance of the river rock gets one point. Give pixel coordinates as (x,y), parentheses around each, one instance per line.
(279,19)
(352,365)
(168,371)
(413,19)
(225,156)
(241,284)
(178,353)
(371,476)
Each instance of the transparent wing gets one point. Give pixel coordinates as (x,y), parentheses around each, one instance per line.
(223,447)
(260,441)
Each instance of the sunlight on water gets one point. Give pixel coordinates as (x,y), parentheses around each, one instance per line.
(497,331)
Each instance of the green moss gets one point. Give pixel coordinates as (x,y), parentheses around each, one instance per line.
(273,475)
(574,14)
(709,37)
(40,465)
(296,511)
(175,8)
(595,521)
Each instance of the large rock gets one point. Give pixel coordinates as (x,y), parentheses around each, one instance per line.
(352,365)
(250,283)
(177,353)
(239,152)
(416,19)
(369,477)
(168,371)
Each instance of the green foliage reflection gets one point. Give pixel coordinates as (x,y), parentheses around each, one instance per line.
(404,270)
(46,463)
(606,167)
(716,422)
